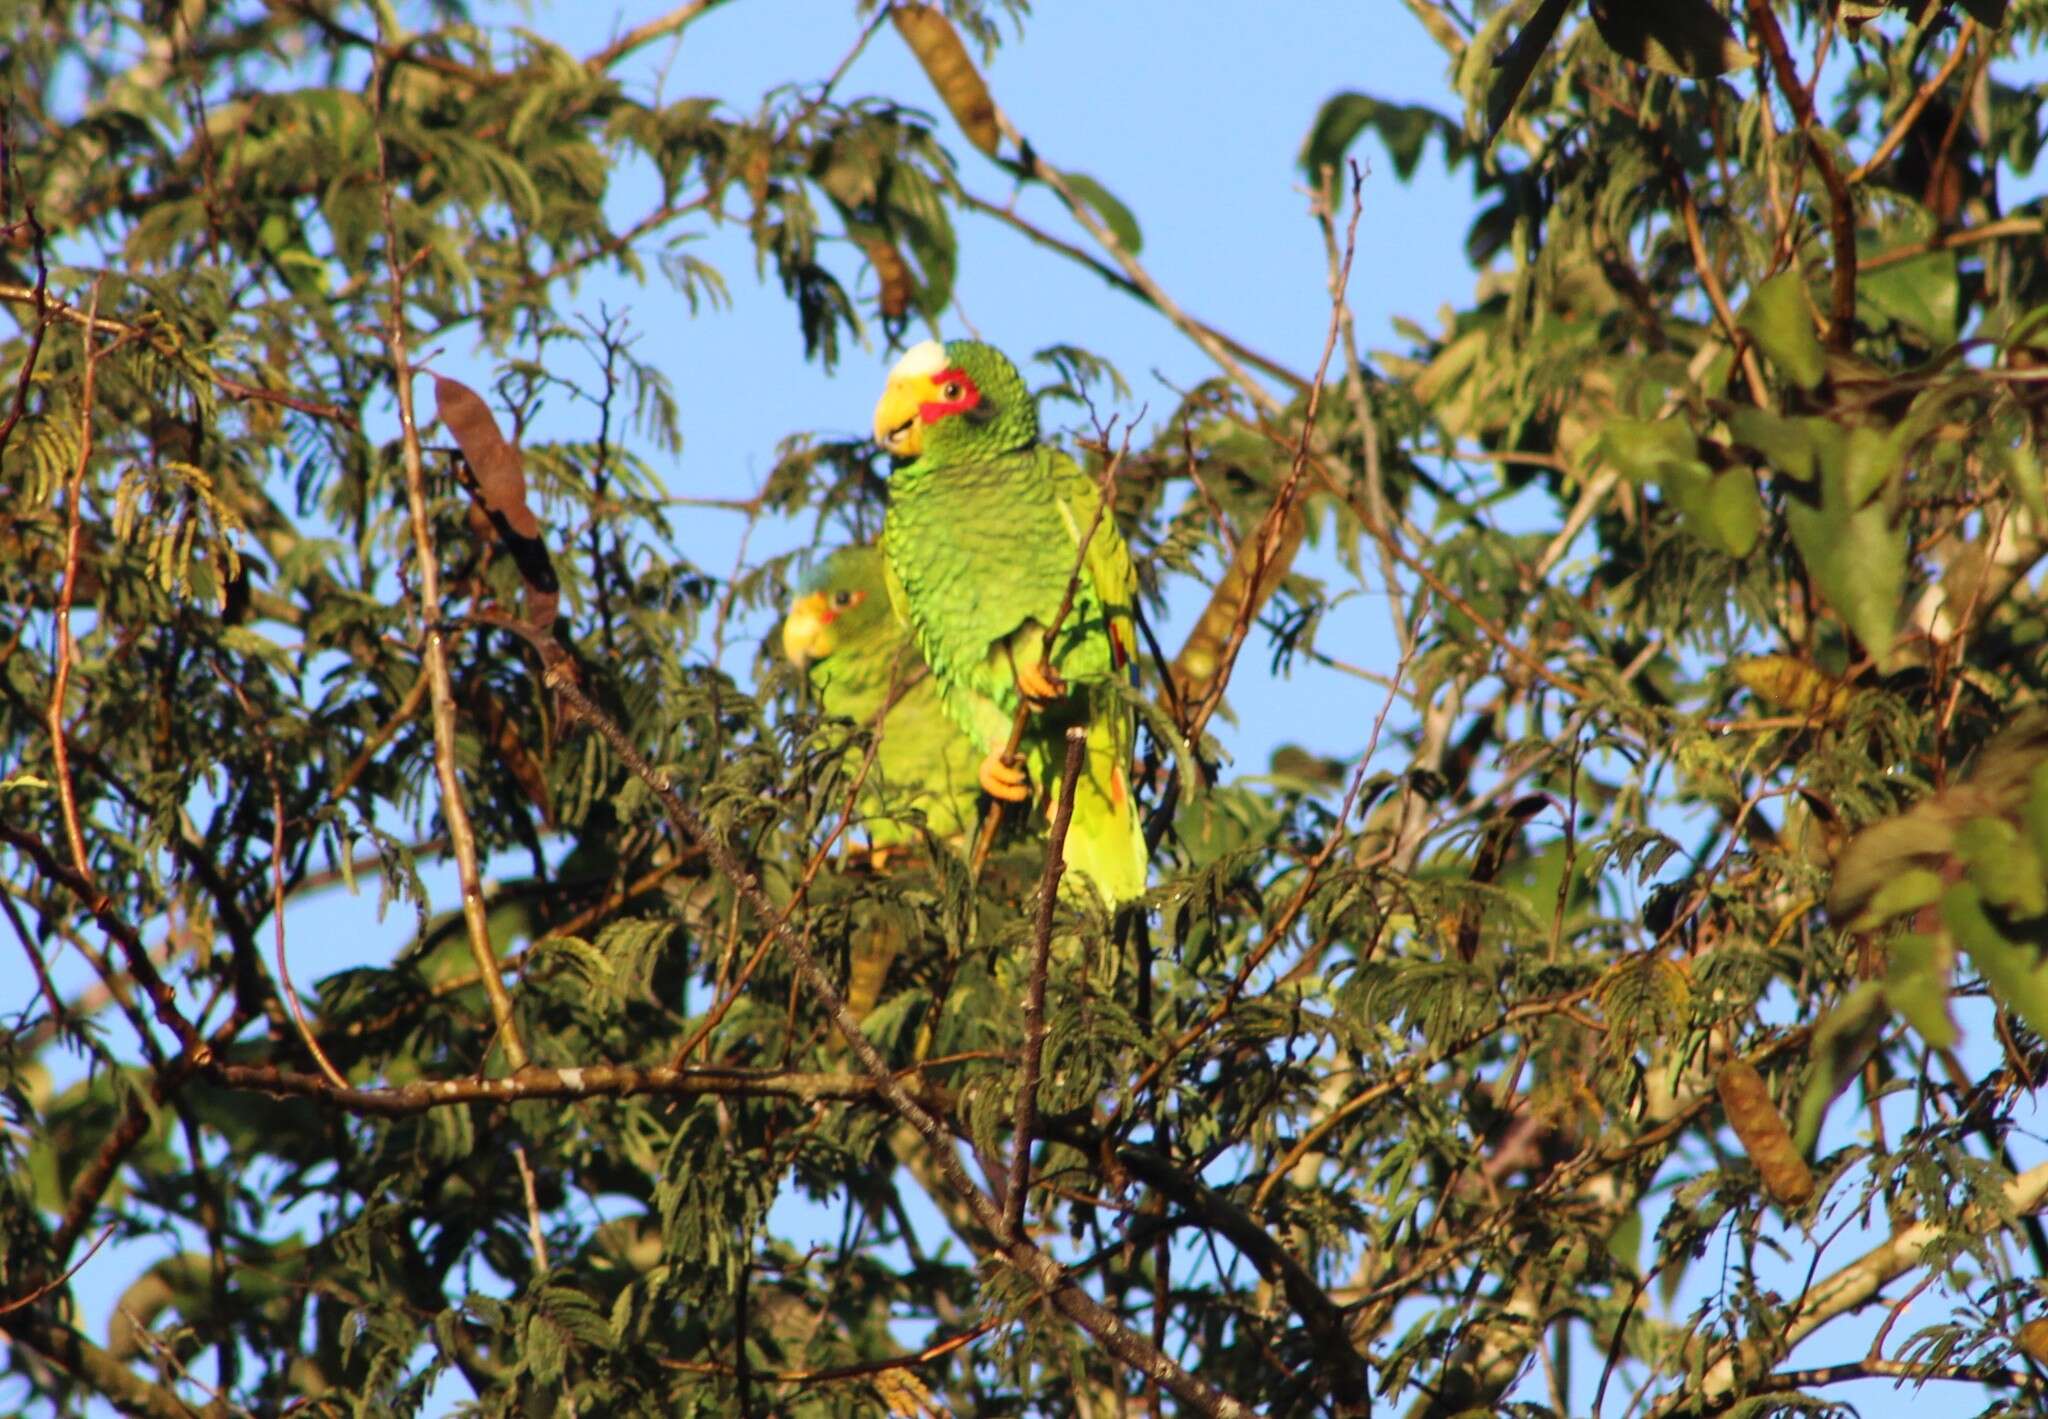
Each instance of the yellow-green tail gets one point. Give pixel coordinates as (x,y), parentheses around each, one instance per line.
(1106,840)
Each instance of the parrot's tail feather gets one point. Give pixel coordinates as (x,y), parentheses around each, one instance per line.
(1106,840)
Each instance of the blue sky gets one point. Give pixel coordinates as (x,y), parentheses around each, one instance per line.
(1192,112)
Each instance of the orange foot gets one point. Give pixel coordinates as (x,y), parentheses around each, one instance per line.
(1040,683)
(1002,779)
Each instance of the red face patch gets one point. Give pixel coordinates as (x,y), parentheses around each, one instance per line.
(957,394)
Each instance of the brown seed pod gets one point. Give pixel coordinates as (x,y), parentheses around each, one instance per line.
(2033,1340)
(947,64)
(894,274)
(1201,655)
(1760,1126)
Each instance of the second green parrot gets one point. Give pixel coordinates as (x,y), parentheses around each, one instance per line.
(843,634)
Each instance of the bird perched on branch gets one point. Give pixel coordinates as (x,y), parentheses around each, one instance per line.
(843,634)
(989,535)
(846,638)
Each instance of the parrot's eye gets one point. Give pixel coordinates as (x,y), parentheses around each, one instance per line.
(951,390)
(842,598)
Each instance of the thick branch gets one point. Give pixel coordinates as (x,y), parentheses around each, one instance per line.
(1854,1286)
(595,1081)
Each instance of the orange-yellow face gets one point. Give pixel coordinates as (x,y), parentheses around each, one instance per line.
(807,634)
(923,388)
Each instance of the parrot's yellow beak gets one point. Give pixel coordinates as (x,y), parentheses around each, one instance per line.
(807,630)
(897,427)
(899,421)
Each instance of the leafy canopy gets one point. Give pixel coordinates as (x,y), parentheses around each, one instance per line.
(1679,903)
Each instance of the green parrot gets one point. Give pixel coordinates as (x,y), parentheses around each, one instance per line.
(983,529)
(843,633)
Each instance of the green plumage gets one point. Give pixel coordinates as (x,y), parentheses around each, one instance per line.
(981,538)
(924,767)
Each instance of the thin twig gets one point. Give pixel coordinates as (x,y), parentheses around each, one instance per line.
(50,309)
(461,835)
(590,1081)
(1910,115)
(1948,241)
(1273,528)
(284,972)
(1841,205)
(1010,217)
(52,1284)
(407,708)
(39,294)
(860,1370)
(1034,997)
(60,684)
(671,23)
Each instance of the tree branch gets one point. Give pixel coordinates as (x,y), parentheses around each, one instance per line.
(1841,205)
(1034,997)
(1851,1288)
(461,836)
(49,308)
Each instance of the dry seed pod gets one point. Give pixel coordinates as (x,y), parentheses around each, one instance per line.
(1760,1126)
(894,274)
(948,65)
(2033,1340)
(1201,655)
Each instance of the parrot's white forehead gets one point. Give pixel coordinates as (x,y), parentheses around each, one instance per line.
(927,357)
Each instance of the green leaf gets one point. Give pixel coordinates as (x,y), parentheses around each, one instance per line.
(2012,969)
(2037,808)
(1841,1042)
(1514,65)
(1921,293)
(1405,129)
(1917,983)
(1732,512)
(1117,217)
(1777,320)
(1786,445)
(1882,854)
(1863,463)
(1858,560)
(2003,866)
(2021,468)
(1640,448)
(1684,37)
(1910,890)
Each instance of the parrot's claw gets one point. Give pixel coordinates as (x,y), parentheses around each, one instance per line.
(1002,779)
(1040,683)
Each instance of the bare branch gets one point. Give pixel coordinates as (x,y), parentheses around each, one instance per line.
(1034,998)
